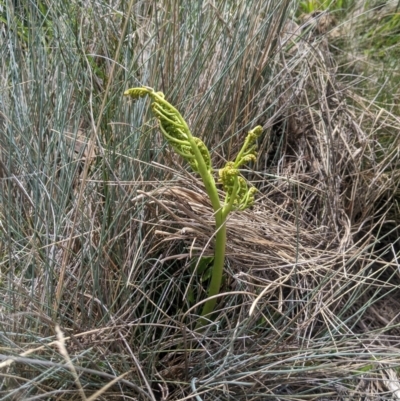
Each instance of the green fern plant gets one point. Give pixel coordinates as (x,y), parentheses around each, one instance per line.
(238,195)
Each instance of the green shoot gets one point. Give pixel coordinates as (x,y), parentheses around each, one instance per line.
(238,195)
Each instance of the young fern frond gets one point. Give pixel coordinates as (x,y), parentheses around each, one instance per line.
(238,195)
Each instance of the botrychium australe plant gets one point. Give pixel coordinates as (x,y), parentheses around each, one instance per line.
(238,195)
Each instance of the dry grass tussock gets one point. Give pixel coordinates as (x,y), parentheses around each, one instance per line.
(321,235)
(310,299)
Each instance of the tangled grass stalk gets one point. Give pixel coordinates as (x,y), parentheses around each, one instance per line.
(238,194)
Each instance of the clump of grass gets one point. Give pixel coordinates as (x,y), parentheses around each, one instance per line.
(100,224)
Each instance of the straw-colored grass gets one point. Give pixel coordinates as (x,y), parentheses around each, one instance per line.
(102,224)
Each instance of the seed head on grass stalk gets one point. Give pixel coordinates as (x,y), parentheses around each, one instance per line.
(238,195)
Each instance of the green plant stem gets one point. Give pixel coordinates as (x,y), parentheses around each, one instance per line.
(220,237)
(217,271)
(220,215)
(227,208)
